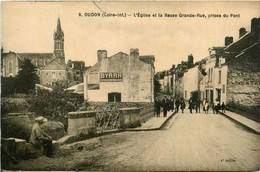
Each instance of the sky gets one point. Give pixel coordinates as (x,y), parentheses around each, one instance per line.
(29,27)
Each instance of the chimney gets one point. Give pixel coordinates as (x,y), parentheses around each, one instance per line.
(190,61)
(242,32)
(134,52)
(228,40)
(99,57)
(101,54)
(104,54)
(255,24)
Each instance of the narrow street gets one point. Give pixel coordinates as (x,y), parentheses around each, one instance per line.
(187,142)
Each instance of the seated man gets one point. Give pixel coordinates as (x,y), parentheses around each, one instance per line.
(39,139)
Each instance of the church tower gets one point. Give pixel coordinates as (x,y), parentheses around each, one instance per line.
(58,37)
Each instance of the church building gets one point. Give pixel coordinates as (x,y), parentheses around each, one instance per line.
(56,69)
(50,67)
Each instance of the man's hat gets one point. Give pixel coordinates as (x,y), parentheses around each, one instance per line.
(41,119)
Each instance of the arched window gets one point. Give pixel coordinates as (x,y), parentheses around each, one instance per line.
(10,66)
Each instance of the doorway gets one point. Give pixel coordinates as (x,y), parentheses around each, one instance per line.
(114,97)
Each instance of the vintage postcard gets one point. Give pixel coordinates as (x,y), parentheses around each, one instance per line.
(130,86)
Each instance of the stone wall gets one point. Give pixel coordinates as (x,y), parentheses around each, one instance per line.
(49,76)
(243,83)
(107,113)
(134,117)
(83,122)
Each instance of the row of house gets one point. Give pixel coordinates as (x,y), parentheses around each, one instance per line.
(50,67)
(230,73)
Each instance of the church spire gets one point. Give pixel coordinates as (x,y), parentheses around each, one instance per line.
(58,37)
(59,25)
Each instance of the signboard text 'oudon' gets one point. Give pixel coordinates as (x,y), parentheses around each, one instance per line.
(111,77)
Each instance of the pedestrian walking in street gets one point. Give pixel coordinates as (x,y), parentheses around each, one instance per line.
(183,105)
(213,108)
(171,104)
(223,107)
(177,104)
(203,104)
(157,107)
(198,106)
(206,107)
(165,106)
(191,104)
(217,106)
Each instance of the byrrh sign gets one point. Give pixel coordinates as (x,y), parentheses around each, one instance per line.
(111,77)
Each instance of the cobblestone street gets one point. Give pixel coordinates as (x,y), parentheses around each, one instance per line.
(187,142)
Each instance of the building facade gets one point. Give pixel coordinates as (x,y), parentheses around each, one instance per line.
(12,62)
(78,68)
(190,83)
(120,78)
(243,72)
(56,69)
(215,82)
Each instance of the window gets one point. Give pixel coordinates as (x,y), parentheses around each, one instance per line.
(114,97)
(219,76)
(53,75)
(209,75)
(10,66)
(47,73)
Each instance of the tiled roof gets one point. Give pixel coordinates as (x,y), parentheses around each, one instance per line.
(147,57)
(36,56)
(56,65)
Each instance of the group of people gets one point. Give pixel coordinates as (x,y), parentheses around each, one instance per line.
(216,107)
(194,104)
(168,105)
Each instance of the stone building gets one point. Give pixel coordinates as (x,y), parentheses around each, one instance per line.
(178,76)
(56,69)
(214,84)
(160,77)
(50,67)
(166,82)
(243,73)
(12,62)
(78,68)
(120,78)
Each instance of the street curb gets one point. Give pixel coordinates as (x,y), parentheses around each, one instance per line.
(241,124)
(152,129)
(163,124)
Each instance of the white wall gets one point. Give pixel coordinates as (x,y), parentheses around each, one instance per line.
(190,82)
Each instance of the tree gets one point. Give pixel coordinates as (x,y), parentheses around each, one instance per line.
(26,78)
(55,104)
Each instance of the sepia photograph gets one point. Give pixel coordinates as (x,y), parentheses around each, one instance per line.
(130,86)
